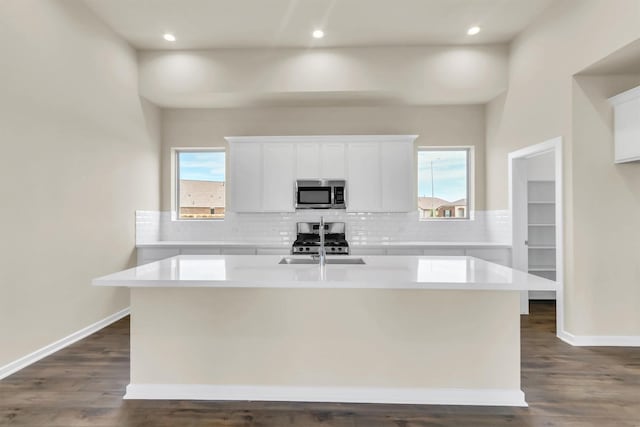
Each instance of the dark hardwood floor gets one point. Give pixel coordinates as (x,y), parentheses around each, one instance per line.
(83,385)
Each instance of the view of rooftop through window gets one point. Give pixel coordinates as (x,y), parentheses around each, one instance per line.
(443,183)
(201,184)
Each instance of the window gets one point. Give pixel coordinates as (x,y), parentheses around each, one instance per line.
(443,183)
(200,186)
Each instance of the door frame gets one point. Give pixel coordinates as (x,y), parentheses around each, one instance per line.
(518,202)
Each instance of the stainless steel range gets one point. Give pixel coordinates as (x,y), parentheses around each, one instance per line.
(308,240)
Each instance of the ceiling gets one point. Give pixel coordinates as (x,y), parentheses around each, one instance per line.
(204,24)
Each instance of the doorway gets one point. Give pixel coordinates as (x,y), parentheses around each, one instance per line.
(535,204)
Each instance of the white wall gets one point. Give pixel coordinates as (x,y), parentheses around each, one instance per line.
(425,75)
(605,291)
(601,275)
(80,153)
(437,126)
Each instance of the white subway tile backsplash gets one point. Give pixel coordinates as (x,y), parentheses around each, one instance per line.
(363,228)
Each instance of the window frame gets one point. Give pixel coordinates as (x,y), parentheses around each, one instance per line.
(175,180)
(469,211)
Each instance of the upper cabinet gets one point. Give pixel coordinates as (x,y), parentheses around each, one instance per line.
(627,125)
(380,170)
(262,177)
(320,160)
(277,177)
(364,191)
(245,173)
(381,176)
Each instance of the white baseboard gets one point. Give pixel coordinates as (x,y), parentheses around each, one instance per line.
(599,340)
(428,396)
(43,352)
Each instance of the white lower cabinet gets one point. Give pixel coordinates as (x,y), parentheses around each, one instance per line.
(238,251)
(199,251)
(443,252)
(404,251)
(368,251)
(273,251)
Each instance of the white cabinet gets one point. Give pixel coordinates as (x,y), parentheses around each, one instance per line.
(381,177)
(364,178)
(397,163)
(277,177)
(307,164)
(359,251)
(325,160)
(332,161)
(380,170)
(627,125)
(262,177)
(245,186)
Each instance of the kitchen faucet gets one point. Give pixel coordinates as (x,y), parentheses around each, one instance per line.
(322,251)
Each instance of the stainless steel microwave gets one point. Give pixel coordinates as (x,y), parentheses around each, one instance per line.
(320,194)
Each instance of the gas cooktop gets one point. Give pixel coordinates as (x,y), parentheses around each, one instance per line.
(308,239)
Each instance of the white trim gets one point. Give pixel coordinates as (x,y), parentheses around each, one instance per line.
(555,145)
(471,180)
(45,351)
(323,138)
(600,340)
(626,96)
(175,172)
(427,396)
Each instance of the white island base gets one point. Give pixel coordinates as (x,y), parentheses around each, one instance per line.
(327,339)
(333,345)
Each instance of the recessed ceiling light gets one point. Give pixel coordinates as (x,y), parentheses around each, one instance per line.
(473,30)
(318,34)
(169,37)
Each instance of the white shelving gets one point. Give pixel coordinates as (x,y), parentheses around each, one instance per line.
(542,230)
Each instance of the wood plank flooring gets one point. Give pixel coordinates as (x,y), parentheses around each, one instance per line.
(83,385)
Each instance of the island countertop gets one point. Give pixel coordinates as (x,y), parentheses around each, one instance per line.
(378,272)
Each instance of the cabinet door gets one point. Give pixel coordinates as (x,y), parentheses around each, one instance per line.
(364,177)
(627,131)
(238,251)
(308,160)
(398,177)
(245,162)
(332,161)
(278,177)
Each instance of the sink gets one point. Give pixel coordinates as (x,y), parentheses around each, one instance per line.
(298,261)
(291,260)
(345,261)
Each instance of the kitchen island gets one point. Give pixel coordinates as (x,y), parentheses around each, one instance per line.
(396,329)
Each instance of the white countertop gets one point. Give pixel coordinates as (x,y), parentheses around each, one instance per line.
(378,272)
(353,244)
